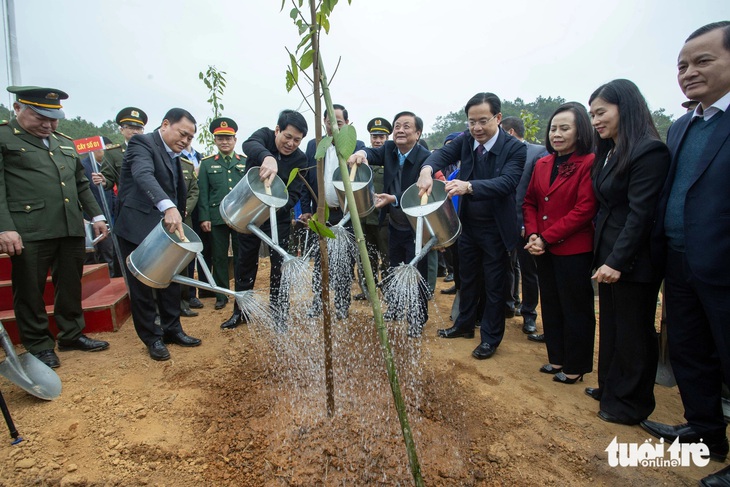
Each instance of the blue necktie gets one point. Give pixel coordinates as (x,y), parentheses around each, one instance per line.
(401,159)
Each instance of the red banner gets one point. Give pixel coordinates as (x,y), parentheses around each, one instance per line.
(89,144)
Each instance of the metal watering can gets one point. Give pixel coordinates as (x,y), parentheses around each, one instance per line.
(90,240)
(251,202)
(361,180)
(433,217)
(162,255)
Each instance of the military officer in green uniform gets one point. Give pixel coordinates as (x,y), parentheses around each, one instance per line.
(376,226)
(218,175)
(131,122)
(43,194)
(191,183)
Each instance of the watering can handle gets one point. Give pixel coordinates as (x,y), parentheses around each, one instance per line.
(267,188)
(424,199)
(353,172)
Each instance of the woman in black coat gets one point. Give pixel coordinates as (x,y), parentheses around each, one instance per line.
(628,174)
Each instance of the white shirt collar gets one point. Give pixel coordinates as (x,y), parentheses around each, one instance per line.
(720,105)
(488,144)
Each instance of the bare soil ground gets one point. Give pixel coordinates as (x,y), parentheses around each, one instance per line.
(247,408)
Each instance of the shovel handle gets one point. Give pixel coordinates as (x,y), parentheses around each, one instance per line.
(353,172)
(181,235)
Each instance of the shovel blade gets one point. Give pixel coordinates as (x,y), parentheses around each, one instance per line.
(33,376)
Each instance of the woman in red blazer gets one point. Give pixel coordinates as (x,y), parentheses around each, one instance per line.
(558,210)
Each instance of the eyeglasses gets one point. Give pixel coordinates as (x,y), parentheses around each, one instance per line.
(482,123)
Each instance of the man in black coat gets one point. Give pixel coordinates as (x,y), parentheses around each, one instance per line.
(152,187)
(491,167)
(402,158)
(692,237)
(276,152)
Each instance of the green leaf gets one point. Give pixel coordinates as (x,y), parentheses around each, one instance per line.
(306,59)
(325,23)
(322,147)
(320,229)
(200,75)
(292,176)
(294,13)
(294,68)
(345,141)
(305,40)
(289,81)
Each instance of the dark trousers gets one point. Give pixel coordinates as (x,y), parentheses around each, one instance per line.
(699,342)
(340,278)
(222,238)
(628,349)
(146,302)
(401,250)
(511,288)
(377,238)
(568,316)
(530,288)
(483,264)
(104,254)
(65,258)
(247,265)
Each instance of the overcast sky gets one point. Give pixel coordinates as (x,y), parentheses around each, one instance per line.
(427,56)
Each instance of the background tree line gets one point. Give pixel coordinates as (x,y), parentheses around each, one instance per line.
(535,114)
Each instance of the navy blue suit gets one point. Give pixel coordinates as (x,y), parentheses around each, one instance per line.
(489,226)
(697,282)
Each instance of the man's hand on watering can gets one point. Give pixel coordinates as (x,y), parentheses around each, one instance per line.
(173,220)
(359,157)
(269,168)
(425,181)
(383,199)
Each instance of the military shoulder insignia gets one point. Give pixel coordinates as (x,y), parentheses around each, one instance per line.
(63,135)
(113,146)
(4,122)
(208,157)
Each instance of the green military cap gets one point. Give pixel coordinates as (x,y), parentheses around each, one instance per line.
(223,126)
(132,116)
(45,101)
(379,125)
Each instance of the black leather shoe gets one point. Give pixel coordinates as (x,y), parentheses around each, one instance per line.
(195,303)
(232,322)
(158,350)
(188,313)
(449,290)
(717,479)
(180,338)
(455,332)
(83,343)
(593,392)
(220,303)
(536,338)
(509,312)
(483,351)
(529,327)
(610,418)
(717,443)
(49,358)
(549,369)
(564,379)
(449,278)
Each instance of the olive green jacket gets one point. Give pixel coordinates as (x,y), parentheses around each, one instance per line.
(43,190)
(111,165)
(216,179)
(191,183)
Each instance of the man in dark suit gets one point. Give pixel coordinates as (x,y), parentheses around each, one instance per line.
(402,158)
(341,282)
(693,239)
(42,194)
(527,269)
(491,167)
(276,152)
(152,187)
